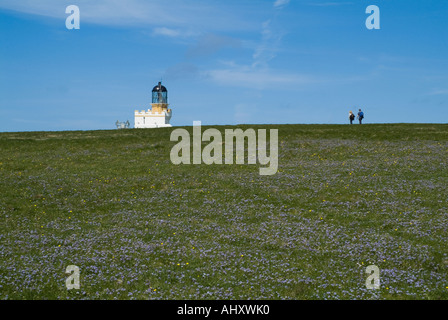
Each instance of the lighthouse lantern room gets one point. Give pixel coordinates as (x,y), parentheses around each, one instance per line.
(159,115)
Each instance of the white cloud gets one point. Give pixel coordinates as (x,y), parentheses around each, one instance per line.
(329,4)
(280,3)
(163,31)
(258,75)
(248,77)
(437,92)
(270,38)
(264,52)
(174,14)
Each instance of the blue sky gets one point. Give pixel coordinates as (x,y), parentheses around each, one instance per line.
(223,62)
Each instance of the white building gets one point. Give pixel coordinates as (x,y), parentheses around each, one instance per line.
(157,117)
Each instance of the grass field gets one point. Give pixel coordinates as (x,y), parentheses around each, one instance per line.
(139,227)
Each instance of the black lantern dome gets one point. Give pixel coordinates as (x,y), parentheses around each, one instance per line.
(159,94)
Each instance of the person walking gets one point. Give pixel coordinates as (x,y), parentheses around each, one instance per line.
(360,116)
(351,116)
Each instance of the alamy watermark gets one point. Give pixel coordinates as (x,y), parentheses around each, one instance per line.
(72,281)
(373,20)
(373,280)
(73,20)
(213,152)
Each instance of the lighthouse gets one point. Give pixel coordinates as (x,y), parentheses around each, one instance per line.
(159,115)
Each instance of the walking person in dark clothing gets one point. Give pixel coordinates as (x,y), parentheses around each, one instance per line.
(360,116)
(351,116)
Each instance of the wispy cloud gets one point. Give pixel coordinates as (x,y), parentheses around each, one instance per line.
(173,14)
(253,78)
(280,3)
(174,32)
(329,4)
(270,38)
(264,52)
(437,92)
(163,31)
(257,74)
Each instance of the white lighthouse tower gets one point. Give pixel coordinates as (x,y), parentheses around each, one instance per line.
(157,117)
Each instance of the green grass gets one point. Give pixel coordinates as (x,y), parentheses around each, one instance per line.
(139,227)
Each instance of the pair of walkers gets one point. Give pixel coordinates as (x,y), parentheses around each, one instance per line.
(351,116)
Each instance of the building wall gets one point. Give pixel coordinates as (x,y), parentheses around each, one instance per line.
(152,119)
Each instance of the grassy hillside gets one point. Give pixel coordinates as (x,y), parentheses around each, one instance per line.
(139,227)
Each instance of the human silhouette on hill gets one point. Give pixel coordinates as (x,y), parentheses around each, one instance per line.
(360,116)
(351,117)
